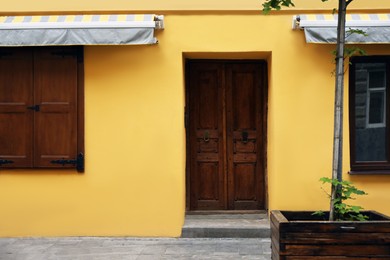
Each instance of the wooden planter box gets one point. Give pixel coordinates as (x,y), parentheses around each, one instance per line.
(297,235)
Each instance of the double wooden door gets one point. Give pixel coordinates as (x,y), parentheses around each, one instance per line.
(226,134)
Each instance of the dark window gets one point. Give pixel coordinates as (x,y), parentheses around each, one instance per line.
(369,98)
(41,107)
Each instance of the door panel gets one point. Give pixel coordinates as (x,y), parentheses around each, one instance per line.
(206,138)
(226,135)
(244,135)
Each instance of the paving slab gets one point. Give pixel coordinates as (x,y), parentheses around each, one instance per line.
(101,248)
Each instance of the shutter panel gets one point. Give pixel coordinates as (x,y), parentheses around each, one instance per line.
(16,94)
(55,81)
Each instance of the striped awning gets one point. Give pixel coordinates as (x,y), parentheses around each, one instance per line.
(110,29)
(322,28)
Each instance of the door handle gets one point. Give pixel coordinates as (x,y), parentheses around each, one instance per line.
(244,137)
(206,136)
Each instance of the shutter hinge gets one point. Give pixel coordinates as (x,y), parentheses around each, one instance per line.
(73,53)
(186,117)
(5,53)
(78,162)
(5,162)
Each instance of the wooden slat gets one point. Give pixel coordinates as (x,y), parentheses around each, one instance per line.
(249,147)
(207,157)
(308,216)
(277,218)
(275,244)
(13,107)
(332,258)
(331,238)
(337,250)
(238,158)
(274,230)
(275,255)
(326,226)
(212,134)
(252,134)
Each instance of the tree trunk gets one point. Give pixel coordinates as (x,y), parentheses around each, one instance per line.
(338,108)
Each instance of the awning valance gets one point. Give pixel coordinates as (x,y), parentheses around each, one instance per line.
(322,28)
(110,29)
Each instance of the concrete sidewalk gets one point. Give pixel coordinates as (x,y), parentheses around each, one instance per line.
(77,248)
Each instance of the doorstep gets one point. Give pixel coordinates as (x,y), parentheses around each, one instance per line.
(226,224)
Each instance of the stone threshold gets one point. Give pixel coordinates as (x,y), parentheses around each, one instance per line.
(226,225)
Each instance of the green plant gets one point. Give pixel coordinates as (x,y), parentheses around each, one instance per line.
(344,211)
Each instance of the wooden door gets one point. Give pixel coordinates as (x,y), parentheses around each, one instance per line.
(226,135)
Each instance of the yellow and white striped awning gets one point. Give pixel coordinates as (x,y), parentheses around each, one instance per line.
(79,29)
(322,28)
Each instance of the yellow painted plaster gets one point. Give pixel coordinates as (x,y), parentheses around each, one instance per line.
(134,183)
(173,5)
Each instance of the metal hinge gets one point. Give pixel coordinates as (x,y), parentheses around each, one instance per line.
(5,162)
(73,53)
(78,162)
(5,53)
(186,118)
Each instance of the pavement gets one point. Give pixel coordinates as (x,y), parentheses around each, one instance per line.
(99,248)
(217,235)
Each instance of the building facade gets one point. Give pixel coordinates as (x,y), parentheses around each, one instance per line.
(105,132)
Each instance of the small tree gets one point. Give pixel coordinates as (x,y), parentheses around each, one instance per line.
(269,5)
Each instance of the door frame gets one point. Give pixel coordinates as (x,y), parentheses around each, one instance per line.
(264,96)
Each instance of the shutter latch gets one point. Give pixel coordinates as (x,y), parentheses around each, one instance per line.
(78,162)
(5,162)
(35,108)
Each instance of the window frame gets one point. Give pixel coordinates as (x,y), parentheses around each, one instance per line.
(370,91)
(368,167)
(81,109)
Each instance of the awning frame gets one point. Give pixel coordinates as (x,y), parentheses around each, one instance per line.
(301,24)
(322,28)
(105,29)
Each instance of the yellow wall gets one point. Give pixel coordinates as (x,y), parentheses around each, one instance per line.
(172,5)
(134,183)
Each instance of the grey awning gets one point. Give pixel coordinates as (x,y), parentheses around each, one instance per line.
(122,29)
(323,28)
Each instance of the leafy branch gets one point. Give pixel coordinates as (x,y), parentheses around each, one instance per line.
(350,51)
(344,211)
(276,5)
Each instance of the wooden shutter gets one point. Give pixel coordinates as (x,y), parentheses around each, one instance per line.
(16,95)
(55,82)
(41,108)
